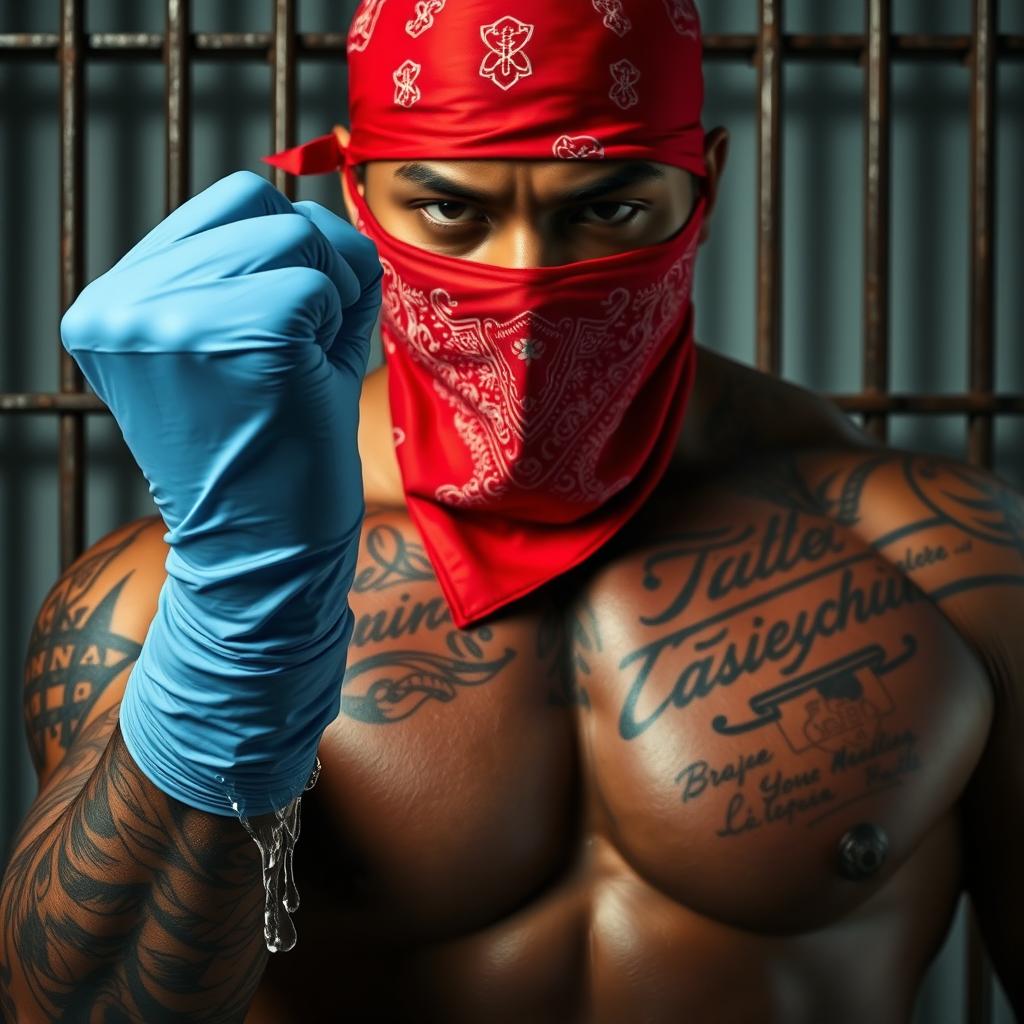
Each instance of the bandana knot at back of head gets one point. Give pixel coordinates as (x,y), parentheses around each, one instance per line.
(534,410)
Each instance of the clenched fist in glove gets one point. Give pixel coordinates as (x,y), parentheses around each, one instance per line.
(230,345)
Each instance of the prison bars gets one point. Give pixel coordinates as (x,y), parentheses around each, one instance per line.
(768,50)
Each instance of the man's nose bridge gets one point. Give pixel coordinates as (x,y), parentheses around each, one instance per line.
(523,244)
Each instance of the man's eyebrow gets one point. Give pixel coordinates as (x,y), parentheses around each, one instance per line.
(632,173)
(421,174)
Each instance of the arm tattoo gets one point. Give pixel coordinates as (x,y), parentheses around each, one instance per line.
(131,906)
(390,685)
(73,653)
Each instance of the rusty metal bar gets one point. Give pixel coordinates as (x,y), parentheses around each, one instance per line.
(283,64)
(71,429)
(980,404)
(176,59)
(769,251)
(331,46)
(982,294)
(877,135)
(980,1008)
(935,405)
(72,402)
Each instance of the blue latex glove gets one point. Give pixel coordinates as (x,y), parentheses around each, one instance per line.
(230,345)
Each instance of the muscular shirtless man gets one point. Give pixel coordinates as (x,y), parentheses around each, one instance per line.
(728,749)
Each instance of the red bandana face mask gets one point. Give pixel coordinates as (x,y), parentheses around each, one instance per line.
(534,410)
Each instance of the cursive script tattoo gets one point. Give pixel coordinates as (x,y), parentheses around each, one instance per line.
(780,798)
(399,682)
(784,545)
(697,776)
(787,639)
(388,686)
(393,561)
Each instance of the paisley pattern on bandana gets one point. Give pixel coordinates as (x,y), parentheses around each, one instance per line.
(547,54)
(625,75)
(550,434)
(363,24)
(614,18)
(424,18)
(505,63)
(577,147)
(684,17)
(407,92)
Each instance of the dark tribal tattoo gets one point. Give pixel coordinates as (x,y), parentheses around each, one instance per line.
(132,906)
(74,653)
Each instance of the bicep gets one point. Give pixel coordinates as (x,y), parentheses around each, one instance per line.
(85,639)
(970,549)
(958,533)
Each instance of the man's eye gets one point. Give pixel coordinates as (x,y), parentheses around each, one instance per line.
(448,213)
(608,214)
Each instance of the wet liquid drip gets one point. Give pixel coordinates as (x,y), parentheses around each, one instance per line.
(275,835)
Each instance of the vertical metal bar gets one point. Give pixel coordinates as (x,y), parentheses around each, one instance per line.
(71,427)
(177,111)
(980,1008)
(284,88)
(769,252)
(982,300)
(877,134)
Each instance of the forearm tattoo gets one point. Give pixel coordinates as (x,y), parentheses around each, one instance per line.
(132,906)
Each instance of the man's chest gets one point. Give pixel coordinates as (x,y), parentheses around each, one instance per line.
(722,701)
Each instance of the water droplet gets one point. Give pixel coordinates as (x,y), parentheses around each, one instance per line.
(275,835)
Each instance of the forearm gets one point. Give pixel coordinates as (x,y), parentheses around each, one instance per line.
(132,904)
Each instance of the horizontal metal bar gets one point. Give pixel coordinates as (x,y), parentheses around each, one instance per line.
(973,404)
(980,404)
(149,45)
(50,402)
(331,46)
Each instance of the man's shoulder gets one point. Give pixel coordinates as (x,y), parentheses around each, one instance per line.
(957,531)
(87,635)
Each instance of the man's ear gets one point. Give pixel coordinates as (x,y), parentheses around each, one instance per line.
(342,134)
(716,152)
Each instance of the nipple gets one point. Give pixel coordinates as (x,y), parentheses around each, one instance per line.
(862,851)
(275,835)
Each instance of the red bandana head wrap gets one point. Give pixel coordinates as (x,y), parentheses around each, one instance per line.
(534,410)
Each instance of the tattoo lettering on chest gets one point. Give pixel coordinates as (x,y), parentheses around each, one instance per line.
(74,653)
(753,598)
(426,660)
(756,793)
